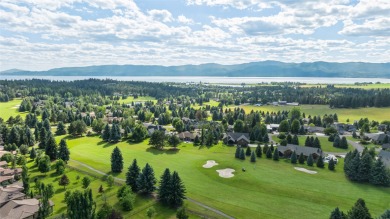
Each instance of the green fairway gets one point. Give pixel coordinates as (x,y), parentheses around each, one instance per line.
(326,145)
(372,113)
(10,108)
(268,189)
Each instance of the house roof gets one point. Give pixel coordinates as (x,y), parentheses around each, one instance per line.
(7,194)
(300,149)
(376,136)
(385,157)
(187,134)
(236,136)
(19,209)
(386,146)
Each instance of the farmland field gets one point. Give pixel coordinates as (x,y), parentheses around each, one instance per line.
(263,189)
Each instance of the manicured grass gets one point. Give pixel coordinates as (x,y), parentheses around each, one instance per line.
(130,99)
(372,113)
(268,189)
(326,145)
(10,108)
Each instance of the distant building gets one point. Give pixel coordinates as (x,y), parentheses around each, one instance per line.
(241,139)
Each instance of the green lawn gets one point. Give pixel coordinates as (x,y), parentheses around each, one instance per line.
(10,108)
(268,189)
(130,99)
(326,145)
(372,113)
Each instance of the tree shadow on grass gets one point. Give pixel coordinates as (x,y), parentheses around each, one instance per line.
(156,151)
(71,137)
(59,190)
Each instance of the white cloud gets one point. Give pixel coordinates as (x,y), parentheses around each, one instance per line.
(161,15)
(184,20)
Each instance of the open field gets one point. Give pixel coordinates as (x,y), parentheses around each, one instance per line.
(10,108)
(130,99)
(262,191)
(372,113)
(326,145)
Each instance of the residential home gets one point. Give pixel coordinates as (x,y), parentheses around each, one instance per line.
(382,127)
(22,209)
(241,139)
(314,129)
(187,136)
(377,138)
(385,157)
(386,146)
(286,151)
(9,194)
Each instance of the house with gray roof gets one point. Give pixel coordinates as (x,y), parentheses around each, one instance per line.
(377,138)
(385,157)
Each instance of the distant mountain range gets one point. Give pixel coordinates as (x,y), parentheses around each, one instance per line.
(253,69)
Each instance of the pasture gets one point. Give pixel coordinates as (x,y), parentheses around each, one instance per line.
(268,189)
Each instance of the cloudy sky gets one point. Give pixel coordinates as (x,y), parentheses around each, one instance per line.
(44,34)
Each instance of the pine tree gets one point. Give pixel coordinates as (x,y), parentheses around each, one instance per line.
(177,190)
(182,213)
(266,138)
(164,189)
(63,151)
(301,159)
(253,157)
(316,143)
(310,160)
(276,155)
(44,165)
(132,175)
(354,168)
(115,133)
(289,139)
(265,149)
(337,214)
(248,151)
(33,153)
(237,154)
(379,175)
(364,168)
(359,211)
(116,161)
(258,151)
(336,142)
(242,154)
(331,164)
(295,140)
(146,181)
(106,133)
(320,162)
(294,158)
(25,179)
(80,205)
(51,146)
(269,153)
(46,125)
(307,142)
(60,128)
(344,143)
(64,181)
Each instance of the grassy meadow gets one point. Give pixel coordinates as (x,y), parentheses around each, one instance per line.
(11,108)
(268,189)
(372,113)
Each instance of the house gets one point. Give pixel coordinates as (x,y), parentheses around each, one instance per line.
(187,136)
(9,194)
(382,127)
(386,146)
(314,129)
(286,151)
(3,163)
(282,102)
(22,209)
(377,138)
(293,104)
(385,157)
(339,127)
(272,127)
(241,139)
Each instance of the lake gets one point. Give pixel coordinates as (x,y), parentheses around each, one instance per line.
(212,80)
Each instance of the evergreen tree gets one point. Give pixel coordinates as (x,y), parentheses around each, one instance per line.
(64,181)
(80,205)
(301,159)
(364,168)
(337,142)
(253,157)
(331,164)
(116,161)
(115,133)
(157,139)
(354,168)
(106,133)
(182,213)
(294,158)
(248,151)
(59,166)
(379,175)
(295,140)
(337,214)
(51,147)
(289,139)
(242,154)
(14,136)
(60,128)
(276,155)
(385,215)
(266,138)
(265,149)
(307,142)
(177,190)
(132,175)
(269,153)
(316,143)
(46,125)
(310,160)
(25,179)
(33,153)
(146,181)
(344,143)
(238,150)
(320,162)
(42,138)
(164,189)
(63,151)
(44,164)
(359,211)
(258,151)
(196,140)
(173,141)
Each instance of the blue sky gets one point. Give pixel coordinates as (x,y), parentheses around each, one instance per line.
(44,34)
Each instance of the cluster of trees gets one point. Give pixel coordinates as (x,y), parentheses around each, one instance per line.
(364,168)
(158,139)
(358,210)
(338,142)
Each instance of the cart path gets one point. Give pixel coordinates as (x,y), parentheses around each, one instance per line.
(189,199)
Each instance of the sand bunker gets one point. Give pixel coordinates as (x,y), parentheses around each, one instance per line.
(305,170)
(226,173)
(210,163)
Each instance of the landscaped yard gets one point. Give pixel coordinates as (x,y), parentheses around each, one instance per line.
(268,189)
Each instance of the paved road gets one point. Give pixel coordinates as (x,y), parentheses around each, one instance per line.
(358,146)
(189,199)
